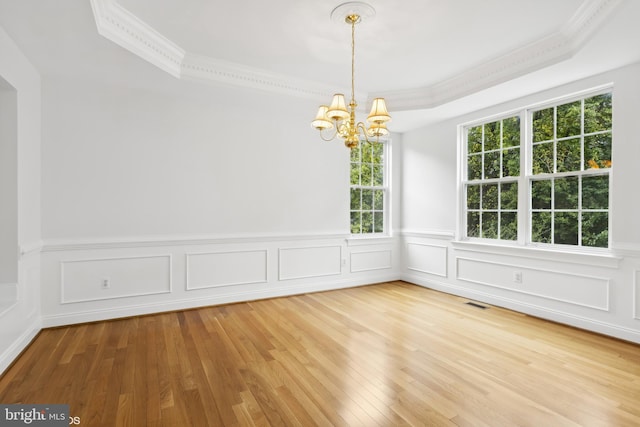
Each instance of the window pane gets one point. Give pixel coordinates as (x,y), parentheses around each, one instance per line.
(597,151)
(355,199)
(566,193)
(509,196)
(568,119)
(473,197)
(366,152)
(511,162)
(490,196)
(355,172)
(474,169)
(491,136)
(378,200)
(366,174)
(543,125)
(473,224)
(565,228)
(492,165)
(511,132)
(595,227)
(490,225)
(597,113)
(474,140)
(355,155)
(509,226)
(378,175)
(595,192)
(541,227)
(367,222)
(543,158)
(377,152)
(568,155)
(378,222)
(541,194)
(367,199)
(356,219)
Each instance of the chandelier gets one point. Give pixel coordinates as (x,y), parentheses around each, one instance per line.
(336,118)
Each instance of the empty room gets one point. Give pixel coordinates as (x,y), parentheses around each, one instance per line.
(312,212)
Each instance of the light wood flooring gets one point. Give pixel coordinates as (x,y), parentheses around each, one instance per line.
(391,354)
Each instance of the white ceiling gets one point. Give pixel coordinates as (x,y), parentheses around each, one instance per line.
(429,58)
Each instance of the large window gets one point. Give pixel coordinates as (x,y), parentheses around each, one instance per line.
(368,188)
(555,160)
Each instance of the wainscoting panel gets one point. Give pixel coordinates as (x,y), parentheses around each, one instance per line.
(308,262)
(370,260)
(106,278)
(582,290)
(215,269)
(426,258)
(636,294)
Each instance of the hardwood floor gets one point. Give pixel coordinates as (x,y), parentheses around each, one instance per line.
(383,355)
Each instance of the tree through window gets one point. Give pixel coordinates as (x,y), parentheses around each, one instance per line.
(568,161)
(368,188)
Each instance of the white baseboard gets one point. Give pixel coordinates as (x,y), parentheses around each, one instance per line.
(189,303)
(617,331)
(21,343)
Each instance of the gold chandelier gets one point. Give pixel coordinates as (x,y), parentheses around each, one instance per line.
(336,116)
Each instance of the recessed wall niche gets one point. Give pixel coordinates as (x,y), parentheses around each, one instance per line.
(8,193)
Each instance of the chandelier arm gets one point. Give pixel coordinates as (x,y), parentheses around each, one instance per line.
(335,133)
(361,127)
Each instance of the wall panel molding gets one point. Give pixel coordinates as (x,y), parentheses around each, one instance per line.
(81,280)
(636,294)
(309,262)
(427,258)
(594,292)
(370,260)
(225,268)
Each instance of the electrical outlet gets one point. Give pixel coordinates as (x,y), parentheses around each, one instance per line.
(106,283)
(517,277)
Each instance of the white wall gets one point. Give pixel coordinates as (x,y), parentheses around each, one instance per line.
(8,187)
(20,319)
(601,293)
(190,196)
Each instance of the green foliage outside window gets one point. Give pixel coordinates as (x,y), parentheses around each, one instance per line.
(570,157)
(367,188)
(493,153)
(573,140)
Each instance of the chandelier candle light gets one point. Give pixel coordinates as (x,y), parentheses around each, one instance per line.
(337,116)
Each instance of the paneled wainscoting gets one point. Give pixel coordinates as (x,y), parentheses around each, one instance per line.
(89,281)
(391,354)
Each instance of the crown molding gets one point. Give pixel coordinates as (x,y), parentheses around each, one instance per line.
(551,49)
(125,29)
(128,31)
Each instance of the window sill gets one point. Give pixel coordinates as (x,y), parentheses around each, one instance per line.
(600,258)
(381,239)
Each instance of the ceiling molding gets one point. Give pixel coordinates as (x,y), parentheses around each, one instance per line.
(541,53)
(128,31)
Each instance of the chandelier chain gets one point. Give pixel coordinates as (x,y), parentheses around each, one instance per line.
(353,59)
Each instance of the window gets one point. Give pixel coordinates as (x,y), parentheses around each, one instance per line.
(559,155)
(493,168)
(368,188)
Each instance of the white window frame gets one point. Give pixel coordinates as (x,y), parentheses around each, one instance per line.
(527,177)
(386,189)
